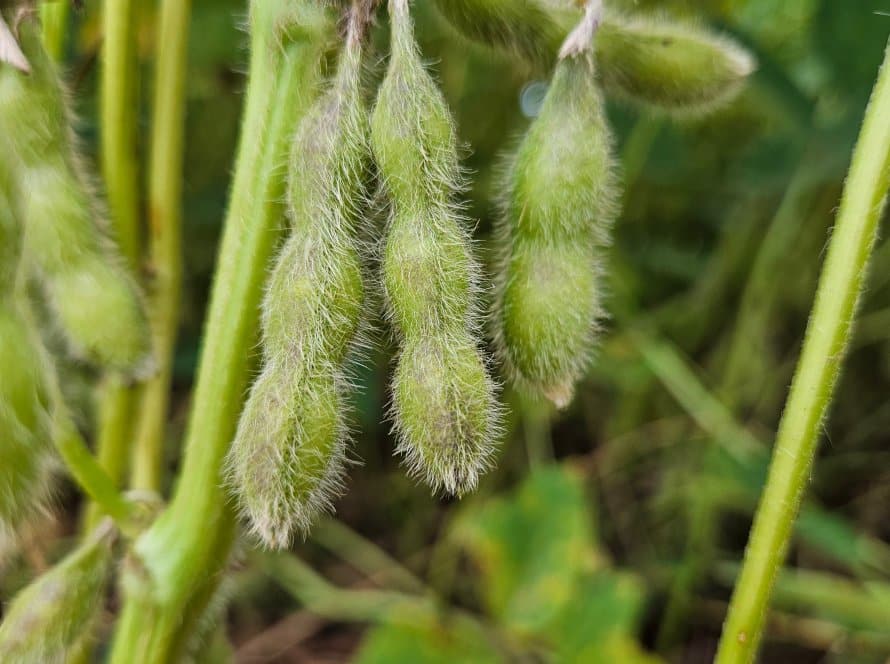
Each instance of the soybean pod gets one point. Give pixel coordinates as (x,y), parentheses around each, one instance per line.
(669,65)
(557,216)
(286,462)
(95,300)
(444,407)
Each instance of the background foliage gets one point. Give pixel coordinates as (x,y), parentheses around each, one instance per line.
(611,532)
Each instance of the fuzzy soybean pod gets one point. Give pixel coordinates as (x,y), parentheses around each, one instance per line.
(94,298)
(26,459)
(673,66)
(556,221)
(52,617)
(444,408)
(677,67)
(287,459)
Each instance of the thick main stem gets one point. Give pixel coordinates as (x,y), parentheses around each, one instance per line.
(826,338)
(177,562)
(165,221)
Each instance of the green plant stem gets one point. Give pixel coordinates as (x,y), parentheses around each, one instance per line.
(823,350)
(184,551)
(93,479)
(373,606)
(325,599)
(165,221)
(536,423)
(118,101)
(825,595)
(364,555)
(119,159)
(54,18)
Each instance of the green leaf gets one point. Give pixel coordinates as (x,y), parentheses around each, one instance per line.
(428,644)
(599,622)
(531,547)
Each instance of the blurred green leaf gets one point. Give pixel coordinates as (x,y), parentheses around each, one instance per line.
(429,644)
(531,547)
(599,622)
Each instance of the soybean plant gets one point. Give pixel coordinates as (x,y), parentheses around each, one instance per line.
(54,618)
(275,449)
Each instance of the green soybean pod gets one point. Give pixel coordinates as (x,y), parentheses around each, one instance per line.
(444,409)
(530,29)
(94,298)
(287,459)
(48,620)
(556,220)
(673,66)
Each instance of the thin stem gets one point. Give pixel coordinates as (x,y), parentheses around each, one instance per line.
(182,554)
(118,88)
(165,221)
(536,423)
(118,121)
(826,338)
(93,479)
(54,17)
(326,599)
(364,555)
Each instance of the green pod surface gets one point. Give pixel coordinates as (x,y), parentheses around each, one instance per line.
(445,411)
(412,134)
(549,316)
(26,459)
(47,620)
(330,154)
(26,456)
(288,455)
(314,302)
(10,228)
(562,178)
(530,29)
(428,272)
(95,305)
(64,244)
(656,62)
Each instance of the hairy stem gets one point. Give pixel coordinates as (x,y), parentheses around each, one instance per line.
(165,221)
(183,553)
(826,339)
